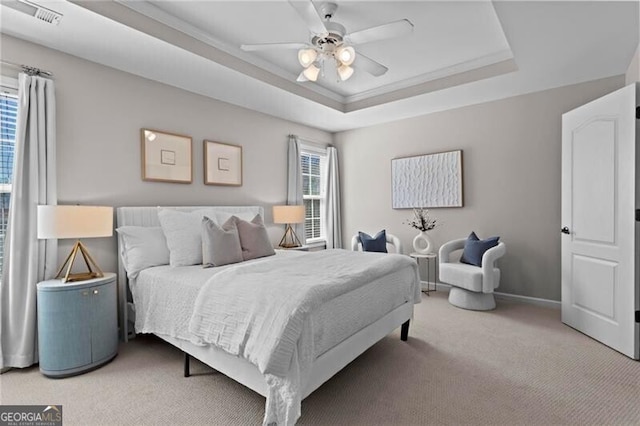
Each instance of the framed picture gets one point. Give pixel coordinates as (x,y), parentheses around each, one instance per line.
(430,180)
(222,164)
(166,157)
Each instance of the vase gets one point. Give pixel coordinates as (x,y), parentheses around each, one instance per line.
(422,243)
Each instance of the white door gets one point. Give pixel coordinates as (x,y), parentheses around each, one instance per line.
(599,279)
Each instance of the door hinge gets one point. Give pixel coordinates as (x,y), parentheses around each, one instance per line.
(638,112)
(637,316)
(637,215)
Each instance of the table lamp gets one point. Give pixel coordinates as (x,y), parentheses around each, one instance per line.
(76,222)
(289,215)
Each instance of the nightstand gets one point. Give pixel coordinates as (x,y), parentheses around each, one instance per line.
(301,248)
(77,325)
(432,269)
(306,247)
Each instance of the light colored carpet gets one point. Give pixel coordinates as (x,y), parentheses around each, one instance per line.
(516,365)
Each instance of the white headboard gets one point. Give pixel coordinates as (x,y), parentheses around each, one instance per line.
(148,216)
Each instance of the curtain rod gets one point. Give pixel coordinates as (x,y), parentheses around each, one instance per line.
(313,142)
(28,69)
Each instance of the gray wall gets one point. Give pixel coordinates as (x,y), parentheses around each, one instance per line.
(100,111)
(511,159)
(511,167)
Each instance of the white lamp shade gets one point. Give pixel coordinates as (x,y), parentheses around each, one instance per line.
(307,56)
(346,55)
(288,214)
(345,72)
(311,72)
(74,221)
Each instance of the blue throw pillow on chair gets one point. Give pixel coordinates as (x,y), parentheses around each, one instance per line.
(474,248)
(377,243)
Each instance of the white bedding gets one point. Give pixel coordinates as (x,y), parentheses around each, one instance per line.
(164,296)
(165,299)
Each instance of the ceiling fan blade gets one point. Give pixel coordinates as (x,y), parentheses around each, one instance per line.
(309,15)
(369,65)
(272,46)
(381,32)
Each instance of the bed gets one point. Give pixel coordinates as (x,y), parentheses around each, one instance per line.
(166,301)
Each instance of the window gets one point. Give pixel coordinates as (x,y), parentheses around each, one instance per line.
(313,168)
(8,116)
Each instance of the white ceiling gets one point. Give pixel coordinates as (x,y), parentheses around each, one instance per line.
(460,53)
(446,34)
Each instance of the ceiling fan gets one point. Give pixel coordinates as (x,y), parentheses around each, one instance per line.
(330,42)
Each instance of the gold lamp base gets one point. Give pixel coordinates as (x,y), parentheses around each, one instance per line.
(289,239)
(88,260)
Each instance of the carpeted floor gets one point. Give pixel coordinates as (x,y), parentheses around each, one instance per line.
(516,365)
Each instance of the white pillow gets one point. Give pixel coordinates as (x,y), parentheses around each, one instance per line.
(142,247)
(183,231)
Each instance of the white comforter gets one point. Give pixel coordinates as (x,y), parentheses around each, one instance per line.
(258,311)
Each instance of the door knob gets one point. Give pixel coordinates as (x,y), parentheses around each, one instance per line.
(565,230)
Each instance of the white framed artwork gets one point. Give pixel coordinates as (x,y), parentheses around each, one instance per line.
(166,157)
(222,164)
(430,180)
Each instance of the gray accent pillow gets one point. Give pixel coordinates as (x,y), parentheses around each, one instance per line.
(220,244)
(254,238)
(474,249)
(378,243)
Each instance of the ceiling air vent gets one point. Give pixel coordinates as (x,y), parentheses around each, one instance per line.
(42,13)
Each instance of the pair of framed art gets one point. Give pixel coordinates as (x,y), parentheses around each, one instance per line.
(167,157)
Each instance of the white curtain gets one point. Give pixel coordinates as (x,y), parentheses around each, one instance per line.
(294,185)
(332,204)
(28,260)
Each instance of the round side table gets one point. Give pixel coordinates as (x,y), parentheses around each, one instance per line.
(432,269)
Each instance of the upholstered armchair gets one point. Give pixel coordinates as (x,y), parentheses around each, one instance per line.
(471,286)
(391,240)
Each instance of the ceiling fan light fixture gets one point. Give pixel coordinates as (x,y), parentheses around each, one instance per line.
(346,55)
(306,57)
(330,46)
(345,72)
(311,72)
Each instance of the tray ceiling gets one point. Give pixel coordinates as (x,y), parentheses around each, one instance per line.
(448,38)
(459,53)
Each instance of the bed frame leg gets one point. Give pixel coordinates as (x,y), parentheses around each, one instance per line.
(186,365)
(404,332)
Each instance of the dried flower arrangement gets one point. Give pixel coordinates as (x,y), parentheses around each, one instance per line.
(421,220)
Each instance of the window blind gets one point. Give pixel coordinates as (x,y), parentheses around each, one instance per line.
(312,168)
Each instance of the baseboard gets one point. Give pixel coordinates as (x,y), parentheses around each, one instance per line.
(547,303)
(430,287)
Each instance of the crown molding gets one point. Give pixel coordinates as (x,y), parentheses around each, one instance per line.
(479,62)
(470,76)
(149,10)
(137,21)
